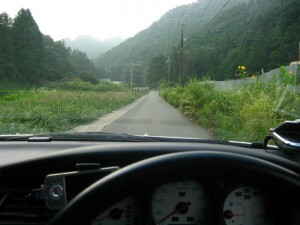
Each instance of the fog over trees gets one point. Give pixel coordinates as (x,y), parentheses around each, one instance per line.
(218,36)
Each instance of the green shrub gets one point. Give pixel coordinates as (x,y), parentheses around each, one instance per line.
(244,115)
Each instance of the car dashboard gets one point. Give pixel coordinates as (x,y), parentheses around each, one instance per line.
(39,180)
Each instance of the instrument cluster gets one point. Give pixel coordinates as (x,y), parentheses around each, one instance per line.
(191,203)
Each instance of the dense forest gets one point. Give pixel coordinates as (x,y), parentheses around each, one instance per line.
(217,37)
(31,58)
(257,34)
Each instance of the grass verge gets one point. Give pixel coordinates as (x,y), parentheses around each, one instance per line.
(44,111)
(246,114)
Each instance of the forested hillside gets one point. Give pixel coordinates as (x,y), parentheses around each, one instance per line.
(28,57)
(261,34)
(218,37)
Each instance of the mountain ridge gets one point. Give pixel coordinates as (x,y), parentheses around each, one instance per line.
(255,33)
(92,46)
(170,34)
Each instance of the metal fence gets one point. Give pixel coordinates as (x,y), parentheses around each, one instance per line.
(265,77)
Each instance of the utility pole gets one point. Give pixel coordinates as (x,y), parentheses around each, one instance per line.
(169,69)
(131,75)
(180,55)
(298,68)
(299,52)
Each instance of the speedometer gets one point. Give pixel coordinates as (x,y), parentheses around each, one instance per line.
(126,212)
(248,206)
(184,202)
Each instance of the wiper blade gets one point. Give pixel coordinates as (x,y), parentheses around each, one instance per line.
(16,137)
(98,136)
(101,136)
(78,136)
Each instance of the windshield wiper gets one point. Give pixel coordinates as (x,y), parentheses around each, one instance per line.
(99,136)
(78,136)
(16,137)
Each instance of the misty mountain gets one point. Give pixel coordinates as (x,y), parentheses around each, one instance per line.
(92,46)
(218,36)
(164,34)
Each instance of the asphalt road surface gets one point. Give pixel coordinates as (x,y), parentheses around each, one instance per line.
(148,115)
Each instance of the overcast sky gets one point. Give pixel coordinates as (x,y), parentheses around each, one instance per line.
(98,18)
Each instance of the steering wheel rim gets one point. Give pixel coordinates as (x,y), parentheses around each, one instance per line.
(124,182)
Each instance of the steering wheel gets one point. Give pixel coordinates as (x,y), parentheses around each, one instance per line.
(125,182)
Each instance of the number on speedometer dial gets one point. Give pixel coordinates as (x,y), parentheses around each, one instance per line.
(184,202)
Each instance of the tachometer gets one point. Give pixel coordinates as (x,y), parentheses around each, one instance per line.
(184,202)
(248,206)
(126,212)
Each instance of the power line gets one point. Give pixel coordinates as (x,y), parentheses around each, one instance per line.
(173,29)
(183,12)
(201,15)
(179,21)
(205,27)
(197,20)
(169,39)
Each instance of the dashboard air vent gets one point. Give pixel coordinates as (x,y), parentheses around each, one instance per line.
(18,208)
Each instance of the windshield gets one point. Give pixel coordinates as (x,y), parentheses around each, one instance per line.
(212,69)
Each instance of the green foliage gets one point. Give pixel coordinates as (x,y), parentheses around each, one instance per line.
(58,59)
(89,77)
(172,95)
(156,71)
(7,84)
(287,77)
(43,110)
(81,62)
(7,68)
(244,115)
(29,57)
(29,51)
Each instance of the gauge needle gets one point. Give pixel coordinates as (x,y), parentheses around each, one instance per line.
(228,214)
(110,215)
(241,214)
(263,215)
(177,209)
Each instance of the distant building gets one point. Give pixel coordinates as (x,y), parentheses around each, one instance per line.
(105,80)
(110,81)
(141,88)
(295,63)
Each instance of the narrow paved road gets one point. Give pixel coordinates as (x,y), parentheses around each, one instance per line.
(151,115)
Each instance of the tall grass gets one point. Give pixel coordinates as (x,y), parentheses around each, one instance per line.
(43,111)
(246,114)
